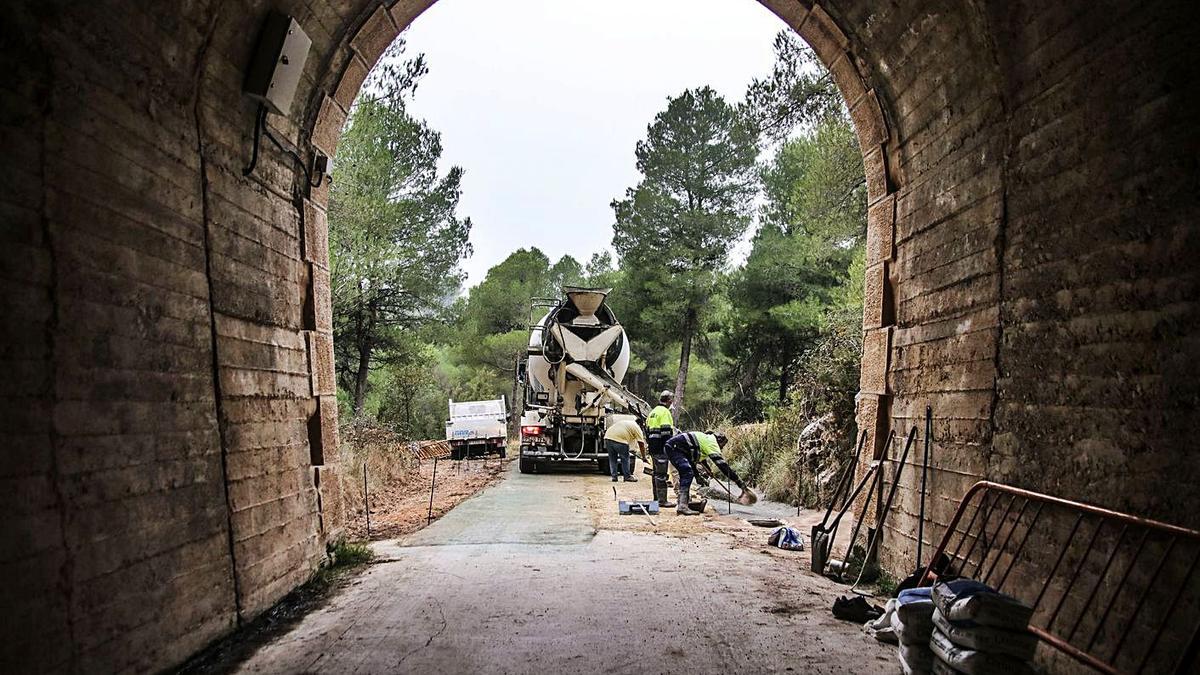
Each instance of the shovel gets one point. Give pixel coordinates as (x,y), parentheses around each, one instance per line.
(820,535)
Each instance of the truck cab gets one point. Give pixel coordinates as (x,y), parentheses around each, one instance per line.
(477,428)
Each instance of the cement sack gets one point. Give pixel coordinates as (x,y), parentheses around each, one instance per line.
(881,628)
(972,662)
(916,633)
(915,609)
(915,658)
(969,600)
(941,668)
(1017,644)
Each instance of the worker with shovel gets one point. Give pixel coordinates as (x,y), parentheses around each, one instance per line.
(660,426)
(687,451)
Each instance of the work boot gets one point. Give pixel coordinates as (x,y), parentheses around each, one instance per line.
(630,479)
(683,508)
(660,494)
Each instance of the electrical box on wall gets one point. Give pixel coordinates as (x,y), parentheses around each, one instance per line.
(278,63)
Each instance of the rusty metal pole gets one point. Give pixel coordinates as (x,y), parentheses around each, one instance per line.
(432,483)
(924,478)
(366,501)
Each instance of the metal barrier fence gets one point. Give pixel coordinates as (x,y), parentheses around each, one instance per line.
(1112,591)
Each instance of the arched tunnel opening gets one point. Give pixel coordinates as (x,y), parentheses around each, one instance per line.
(171,411)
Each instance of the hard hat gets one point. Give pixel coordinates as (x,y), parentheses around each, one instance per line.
(666,395)
(722,439)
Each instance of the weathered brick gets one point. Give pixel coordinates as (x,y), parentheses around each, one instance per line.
(822,34)
(881,220)
(374,36)
(320,351)
(793,12)
(328,128)
(869,122)
(874,298)
(350,82)
(316,235)
(327,478)
(322,300)
(405,11)
(875,165)
(876,359)
(848,79)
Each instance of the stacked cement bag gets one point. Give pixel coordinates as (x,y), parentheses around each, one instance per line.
(979,631)
(912,623)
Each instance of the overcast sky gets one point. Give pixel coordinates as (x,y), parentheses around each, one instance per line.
(542,102)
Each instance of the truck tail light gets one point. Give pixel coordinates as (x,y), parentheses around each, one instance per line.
(531,431)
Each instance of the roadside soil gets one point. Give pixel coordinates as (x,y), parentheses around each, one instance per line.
(402,507)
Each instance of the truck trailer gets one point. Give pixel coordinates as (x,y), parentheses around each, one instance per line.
(571,381)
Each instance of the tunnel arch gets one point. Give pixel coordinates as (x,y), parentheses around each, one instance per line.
(1032,234)
(868,87)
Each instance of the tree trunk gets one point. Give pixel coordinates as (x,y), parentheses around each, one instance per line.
(785,378)
(747,395)
(360,376)
(366,343)
(685,357)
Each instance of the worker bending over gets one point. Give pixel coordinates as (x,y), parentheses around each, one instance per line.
(687,451)
(660,426)
(619,439)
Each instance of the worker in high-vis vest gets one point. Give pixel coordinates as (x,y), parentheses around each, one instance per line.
(691,448)
(660,425)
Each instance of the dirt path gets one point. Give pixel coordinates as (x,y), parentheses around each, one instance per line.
(537,574)
(401,509)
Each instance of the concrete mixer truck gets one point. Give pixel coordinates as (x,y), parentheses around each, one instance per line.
(571,378)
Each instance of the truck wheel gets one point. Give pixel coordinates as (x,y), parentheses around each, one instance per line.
(503,453)
(602,466)
(455,452)
(526,465)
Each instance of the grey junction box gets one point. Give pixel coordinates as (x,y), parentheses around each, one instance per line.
(278,62)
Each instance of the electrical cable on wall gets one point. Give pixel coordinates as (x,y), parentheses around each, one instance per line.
(261,129)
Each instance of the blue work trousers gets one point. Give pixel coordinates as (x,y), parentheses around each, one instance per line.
(618,457)
(681,456)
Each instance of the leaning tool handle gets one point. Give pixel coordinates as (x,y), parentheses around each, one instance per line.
(854,495)
(844,480)
(887,506)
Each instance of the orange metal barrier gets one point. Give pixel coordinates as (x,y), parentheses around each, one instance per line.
(1113,591)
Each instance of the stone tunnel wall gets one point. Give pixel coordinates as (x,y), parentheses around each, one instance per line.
(165,320)
(166,335)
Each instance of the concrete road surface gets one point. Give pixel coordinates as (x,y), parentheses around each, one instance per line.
(538,575)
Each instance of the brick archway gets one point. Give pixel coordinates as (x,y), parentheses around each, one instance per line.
(169,404)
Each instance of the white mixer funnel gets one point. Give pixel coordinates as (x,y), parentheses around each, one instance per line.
(586,300)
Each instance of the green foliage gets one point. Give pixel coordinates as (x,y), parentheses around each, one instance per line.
(813,224)
(774,341)
(345,553)
(798,92)
(395,239)
(674,230)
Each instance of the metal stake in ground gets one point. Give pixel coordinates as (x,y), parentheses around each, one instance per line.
(432,483)
(366,501)
(924,473)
